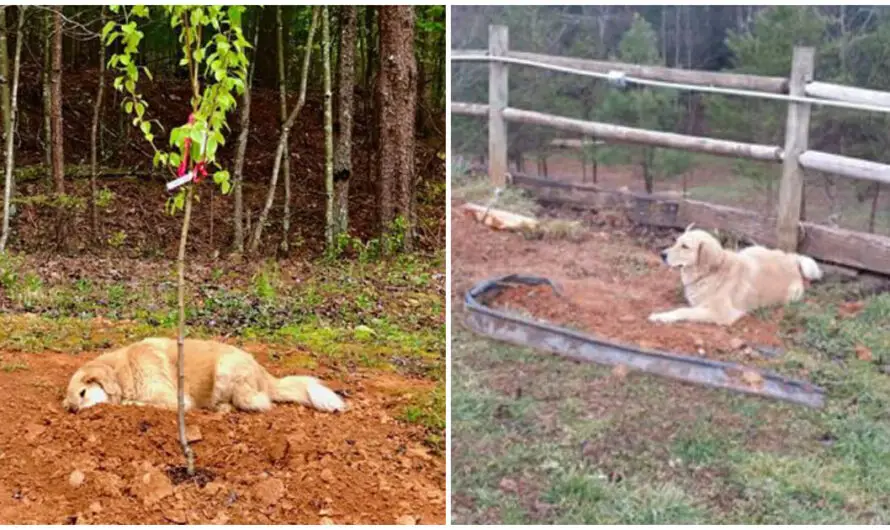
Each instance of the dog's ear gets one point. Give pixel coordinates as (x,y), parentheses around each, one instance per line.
(710,254)
(688,228)
(104,376)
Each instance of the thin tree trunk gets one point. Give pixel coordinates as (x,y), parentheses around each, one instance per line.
(4,72)
(282,91)
(58,168)
(13,118)
(241,150)
(689,37)
(285,130)
(677,29)
(328,131)
(345,91)
(47,93)
(396,101)
(371,109)
(180,339)
(94,134)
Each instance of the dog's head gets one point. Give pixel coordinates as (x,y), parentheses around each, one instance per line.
(92,384)
(694,248)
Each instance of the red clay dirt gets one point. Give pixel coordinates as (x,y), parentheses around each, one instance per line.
(292,465)
(610,284)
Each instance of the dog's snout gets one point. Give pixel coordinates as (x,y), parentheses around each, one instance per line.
(664,256)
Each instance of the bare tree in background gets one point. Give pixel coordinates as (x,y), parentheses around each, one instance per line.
(94,135)
(241,150)
(12,117)
(282,91)
(345,91)
(328,130)
(58,167)
(47,90)
(285,131)
(396,103)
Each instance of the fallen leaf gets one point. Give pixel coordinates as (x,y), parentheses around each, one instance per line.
(620,371)
(752,378)
(509,485)
(863,353)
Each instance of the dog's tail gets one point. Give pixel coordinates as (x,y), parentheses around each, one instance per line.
(305,390)
(809,268)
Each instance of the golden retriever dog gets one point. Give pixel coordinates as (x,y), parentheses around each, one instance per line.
(217,376)
(721,286)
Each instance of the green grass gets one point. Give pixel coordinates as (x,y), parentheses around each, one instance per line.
(539,439)
(12,367)
(385,314)
(428,411)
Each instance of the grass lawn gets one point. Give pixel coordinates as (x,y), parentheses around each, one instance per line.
(541,439)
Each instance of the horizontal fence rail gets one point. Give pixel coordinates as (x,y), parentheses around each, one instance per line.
(697,82)
(849,248)
(775,85)
(631,135)
(785,229)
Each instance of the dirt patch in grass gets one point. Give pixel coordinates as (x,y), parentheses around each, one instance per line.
(610,283)
(291,465)
(539,439)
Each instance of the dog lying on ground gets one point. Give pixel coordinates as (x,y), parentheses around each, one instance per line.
(721,286)
(217,376)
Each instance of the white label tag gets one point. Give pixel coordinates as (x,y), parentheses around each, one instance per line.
(173,184)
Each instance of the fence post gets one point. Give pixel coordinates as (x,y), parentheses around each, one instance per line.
(498,39)
(797,129)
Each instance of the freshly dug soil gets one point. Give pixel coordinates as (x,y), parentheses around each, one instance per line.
(594,308)
(611,282)
(291,465)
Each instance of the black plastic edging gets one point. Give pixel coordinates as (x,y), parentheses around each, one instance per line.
(515,329)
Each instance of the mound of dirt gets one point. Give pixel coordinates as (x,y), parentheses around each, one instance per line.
(292,465)
(611,284)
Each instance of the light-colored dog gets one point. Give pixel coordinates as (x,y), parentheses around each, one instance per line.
(217,376)
(721,286)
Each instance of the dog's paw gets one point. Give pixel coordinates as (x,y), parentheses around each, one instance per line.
(661,318)
(325,399)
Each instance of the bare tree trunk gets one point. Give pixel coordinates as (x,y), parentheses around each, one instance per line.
(4,73)
(94,133)
(180,339)
(10,137)
(396,101)
(689,37)
(58,168)
(328,131)
(285,130)
(241,150)
(677,29)
(47,92)
(371,109)
(282,91)
(345,91)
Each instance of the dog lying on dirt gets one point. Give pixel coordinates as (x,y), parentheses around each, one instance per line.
(217,376)
(721,286)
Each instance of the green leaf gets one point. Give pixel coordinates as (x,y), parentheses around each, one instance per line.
(107,28)
(128,106)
